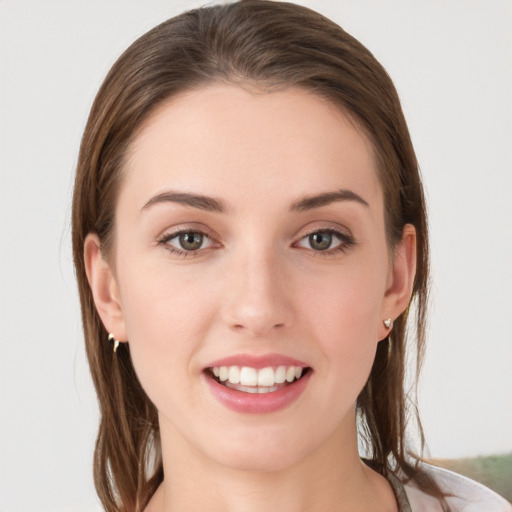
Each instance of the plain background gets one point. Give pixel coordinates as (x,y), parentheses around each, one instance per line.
(451,62)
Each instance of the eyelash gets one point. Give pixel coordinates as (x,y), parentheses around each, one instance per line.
(165,239)
(346,242)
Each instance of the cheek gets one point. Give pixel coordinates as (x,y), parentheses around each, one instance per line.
(161,303)
(346,305)
(166,319)
(344,315)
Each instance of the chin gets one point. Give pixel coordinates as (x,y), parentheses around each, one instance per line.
(263,452)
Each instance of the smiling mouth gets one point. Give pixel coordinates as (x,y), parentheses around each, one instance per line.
(251,380)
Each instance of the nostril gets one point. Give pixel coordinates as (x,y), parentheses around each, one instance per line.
(239,327)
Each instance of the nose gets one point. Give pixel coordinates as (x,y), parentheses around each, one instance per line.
(257,300)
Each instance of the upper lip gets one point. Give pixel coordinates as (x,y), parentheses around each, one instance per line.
(257,361)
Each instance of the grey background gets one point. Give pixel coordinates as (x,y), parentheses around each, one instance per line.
(451,64)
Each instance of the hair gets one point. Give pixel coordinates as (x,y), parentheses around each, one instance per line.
(270,46)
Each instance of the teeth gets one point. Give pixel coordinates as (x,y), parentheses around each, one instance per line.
(263,380)
(266,377)
(234,374)
(290,374)
(248,376)
(223,373)
(280,374)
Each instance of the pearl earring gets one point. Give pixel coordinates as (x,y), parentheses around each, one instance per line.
(388,323)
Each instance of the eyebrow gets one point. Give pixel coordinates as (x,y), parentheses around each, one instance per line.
(326,198)
(210,204)
(201,202)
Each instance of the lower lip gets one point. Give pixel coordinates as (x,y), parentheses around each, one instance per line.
(258,403)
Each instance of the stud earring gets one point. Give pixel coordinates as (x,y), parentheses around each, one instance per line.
(112,338)
(388,323)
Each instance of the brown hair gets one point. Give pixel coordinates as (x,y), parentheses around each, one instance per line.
(268,45)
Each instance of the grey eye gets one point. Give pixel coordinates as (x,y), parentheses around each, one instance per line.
(188,243)
(326,240)
(320,241)
(191,241)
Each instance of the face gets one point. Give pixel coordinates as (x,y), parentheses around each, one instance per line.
(250,249)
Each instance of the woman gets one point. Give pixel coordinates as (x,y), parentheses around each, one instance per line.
(249,233)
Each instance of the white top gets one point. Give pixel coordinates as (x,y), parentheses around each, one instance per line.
(465,495)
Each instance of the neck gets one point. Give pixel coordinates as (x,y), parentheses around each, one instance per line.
(332,478)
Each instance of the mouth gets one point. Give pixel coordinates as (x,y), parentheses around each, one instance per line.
(247,379)
(254,384)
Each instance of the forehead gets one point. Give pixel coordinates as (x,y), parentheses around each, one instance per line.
(226,141)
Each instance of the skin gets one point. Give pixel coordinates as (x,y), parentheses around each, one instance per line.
(256,286)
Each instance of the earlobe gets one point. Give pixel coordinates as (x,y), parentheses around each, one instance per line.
(104,288)
(401,279)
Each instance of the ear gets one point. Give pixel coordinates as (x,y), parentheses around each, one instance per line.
(105,291)
(400,278)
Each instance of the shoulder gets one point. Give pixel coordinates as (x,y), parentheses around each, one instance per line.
(462,494)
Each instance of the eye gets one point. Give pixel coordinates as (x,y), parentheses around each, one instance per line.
(320,241)
(325,240)
(190,241)
(187,241)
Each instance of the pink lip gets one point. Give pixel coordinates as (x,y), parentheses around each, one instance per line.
(257,403)
(257,362)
